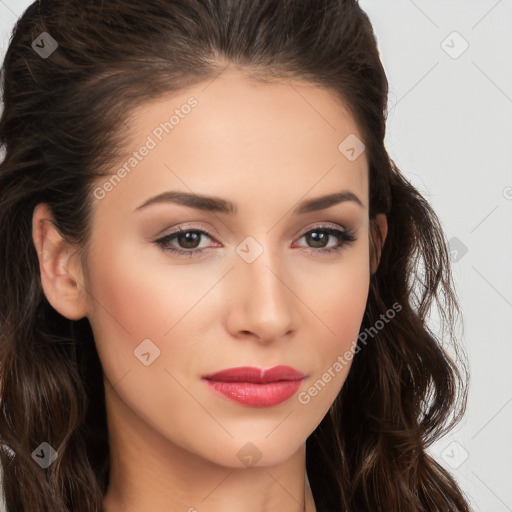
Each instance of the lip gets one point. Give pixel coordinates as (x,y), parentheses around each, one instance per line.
(255,387)
(255,374)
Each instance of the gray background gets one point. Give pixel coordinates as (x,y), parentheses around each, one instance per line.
(450,132)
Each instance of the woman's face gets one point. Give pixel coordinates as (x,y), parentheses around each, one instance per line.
(258,280)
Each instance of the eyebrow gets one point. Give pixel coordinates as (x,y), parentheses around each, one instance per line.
(215,204)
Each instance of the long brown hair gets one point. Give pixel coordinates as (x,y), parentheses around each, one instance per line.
(61,128)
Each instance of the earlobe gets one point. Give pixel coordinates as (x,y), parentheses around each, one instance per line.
(379,232)
(61,276)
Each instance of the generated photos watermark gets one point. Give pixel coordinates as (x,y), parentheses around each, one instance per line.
(343,360)
(151,142)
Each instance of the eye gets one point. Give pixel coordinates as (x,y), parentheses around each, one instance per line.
(319,237)
(189,240)
(186,236)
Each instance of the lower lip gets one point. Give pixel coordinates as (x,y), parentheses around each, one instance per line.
(256,395)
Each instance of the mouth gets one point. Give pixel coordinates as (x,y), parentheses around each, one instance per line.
(255,387)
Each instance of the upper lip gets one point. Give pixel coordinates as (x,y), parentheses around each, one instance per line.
(256,375)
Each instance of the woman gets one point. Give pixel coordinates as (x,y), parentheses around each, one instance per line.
(215,281)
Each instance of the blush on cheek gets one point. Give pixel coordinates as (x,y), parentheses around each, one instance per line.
(120,314)
(346,307)
(133,303)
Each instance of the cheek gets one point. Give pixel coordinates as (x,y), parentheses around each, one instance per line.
(346,302)
(127,305)
(346,309)
(339,303)
(337,292)
(134,298)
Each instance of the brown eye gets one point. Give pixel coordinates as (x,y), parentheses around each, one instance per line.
(188,241)
(318,238)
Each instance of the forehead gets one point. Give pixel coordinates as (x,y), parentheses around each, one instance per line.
(236,137)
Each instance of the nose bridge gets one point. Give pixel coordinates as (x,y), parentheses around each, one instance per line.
(262,293)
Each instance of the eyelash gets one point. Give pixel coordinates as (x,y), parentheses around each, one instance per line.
(345,237)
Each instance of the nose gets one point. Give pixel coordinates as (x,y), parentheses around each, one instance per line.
(263,305)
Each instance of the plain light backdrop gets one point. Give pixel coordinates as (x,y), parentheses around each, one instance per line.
(449,65)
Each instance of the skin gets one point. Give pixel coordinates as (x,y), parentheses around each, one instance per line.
(266,148)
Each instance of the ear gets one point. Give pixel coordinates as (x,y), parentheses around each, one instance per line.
(378,234)
(61,272)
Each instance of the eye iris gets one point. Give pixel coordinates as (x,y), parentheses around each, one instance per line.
(318,236)
(189,237)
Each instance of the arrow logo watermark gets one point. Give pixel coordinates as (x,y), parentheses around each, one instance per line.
(352,147)
(147,352)
(44,45)
(44,455)
(249,454)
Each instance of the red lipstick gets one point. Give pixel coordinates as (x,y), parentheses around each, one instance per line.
(255,387)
